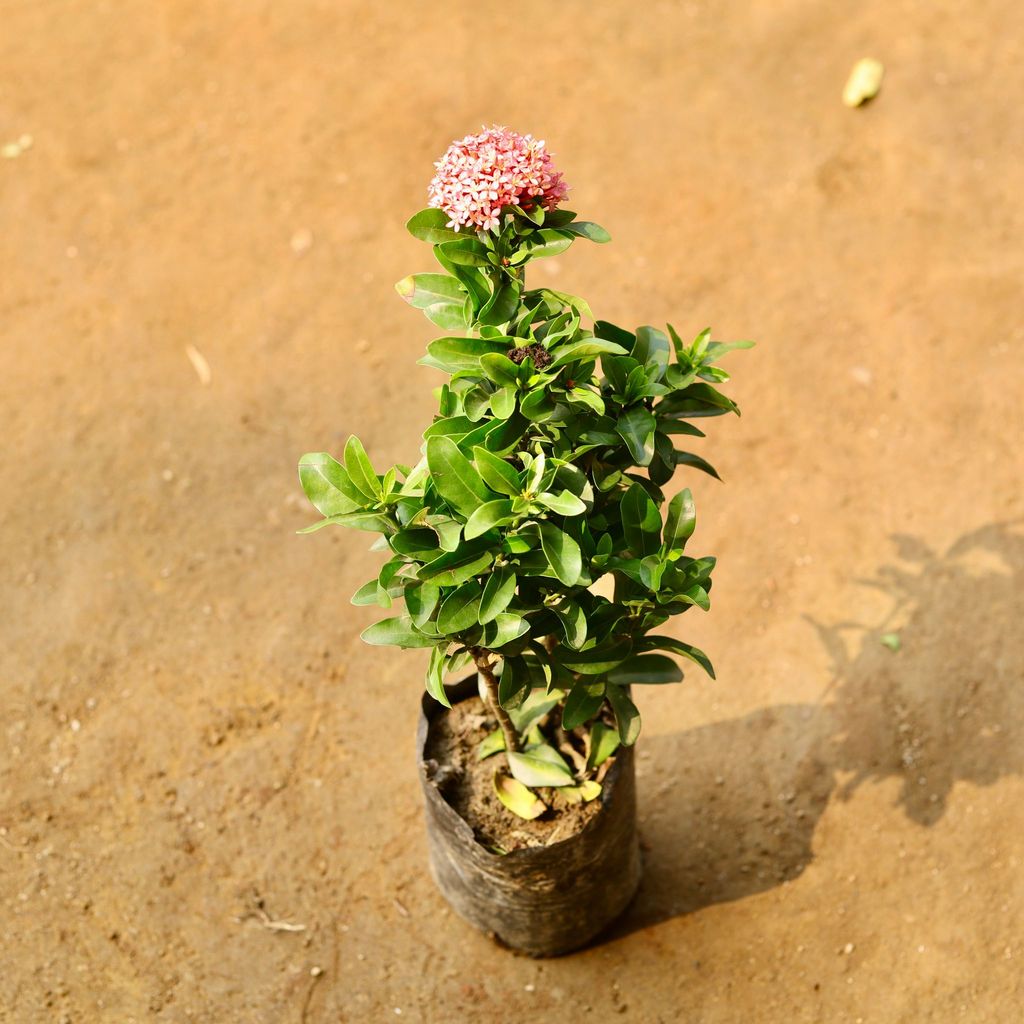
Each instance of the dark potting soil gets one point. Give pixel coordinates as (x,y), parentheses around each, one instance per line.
(467,784)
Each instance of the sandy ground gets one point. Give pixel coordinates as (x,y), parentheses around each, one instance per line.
(195,745)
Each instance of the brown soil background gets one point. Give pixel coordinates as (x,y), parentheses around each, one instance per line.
(196,744)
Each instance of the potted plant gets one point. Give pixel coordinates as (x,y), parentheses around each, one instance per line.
(528,546)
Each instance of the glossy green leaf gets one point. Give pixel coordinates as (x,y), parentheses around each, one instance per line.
(597,660)
(681,520)
(327,485)
(455,354)
(562,552)
(646,668)
(574,622)
(588,229)
(565,503)
(460,609)
(421,599)
(456,567)
(500,369)
(376,522)
(432,226)
(590,348)
(505,627)
(398,632)
(488,516)
(435,677)
(582,704)
(689,459)
(359,468)
(502,305)
(670,643)
(454,476)
(499,590)
(503,403)
(641,522)
(423,290)
(636,427)
(627,717)
(465,252)
(603,743)
(496,473)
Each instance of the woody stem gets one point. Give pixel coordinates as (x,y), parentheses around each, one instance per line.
(486,671)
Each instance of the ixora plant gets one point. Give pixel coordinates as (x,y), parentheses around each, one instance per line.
(528,543)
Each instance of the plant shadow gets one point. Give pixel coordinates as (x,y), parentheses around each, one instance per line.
(729,809)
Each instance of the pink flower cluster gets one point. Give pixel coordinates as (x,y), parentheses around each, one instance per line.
(480,174)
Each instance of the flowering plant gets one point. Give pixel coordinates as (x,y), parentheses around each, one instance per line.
(541,475)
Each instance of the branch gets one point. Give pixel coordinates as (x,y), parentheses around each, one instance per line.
(491,686)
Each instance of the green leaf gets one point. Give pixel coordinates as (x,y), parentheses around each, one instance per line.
(641,522)
(681,520)
(588,229)
(574,622)
(590,348)
(651,348)
(597,660)
(533,770)
(456,567)
(584,701)
(398,632)
(431,226)
(670,643)
(536,705)
(603,743)
(465,251)
(488,516)
(435,677)
(562,552)
(503,403)
(421,599)
(513,686)
(627,718)
(502,305)
(565,504)
(327,485)
(517,798)
(505,628)
(646,668)
(499,368)
(636,427)
(459,610)
(492,743)
(423,290)
(498,474)
(449,316)
(454,476)
(689,459)
(360,470)
(376,522)
(548,242)
(499,590)
(456,354)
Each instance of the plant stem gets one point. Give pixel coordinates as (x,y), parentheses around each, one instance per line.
(491,686)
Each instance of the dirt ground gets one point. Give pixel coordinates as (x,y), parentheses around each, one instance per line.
(209,810)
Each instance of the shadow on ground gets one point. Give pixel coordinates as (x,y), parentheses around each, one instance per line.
(745,795)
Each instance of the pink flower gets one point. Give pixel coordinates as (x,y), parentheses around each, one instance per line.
(480,174)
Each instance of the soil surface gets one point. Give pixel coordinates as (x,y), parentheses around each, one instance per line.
(209,807)
(467,784)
